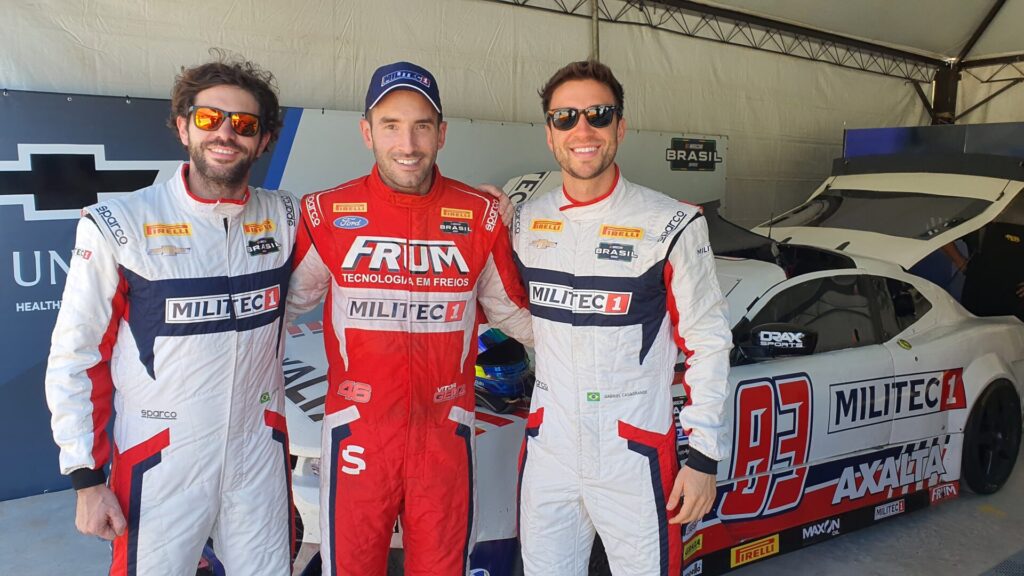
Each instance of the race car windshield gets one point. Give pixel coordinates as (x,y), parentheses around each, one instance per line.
(903,214)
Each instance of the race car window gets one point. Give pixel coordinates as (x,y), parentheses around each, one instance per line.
(838,308)
(903,214)
(908,305)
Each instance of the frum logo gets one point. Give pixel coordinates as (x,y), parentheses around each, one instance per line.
(396,254)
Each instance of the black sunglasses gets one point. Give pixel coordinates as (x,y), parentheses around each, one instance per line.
(597,116)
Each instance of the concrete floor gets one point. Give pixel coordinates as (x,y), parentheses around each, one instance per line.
(969,535)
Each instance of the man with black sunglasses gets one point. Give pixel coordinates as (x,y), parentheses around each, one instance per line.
(620,279)
(172,317)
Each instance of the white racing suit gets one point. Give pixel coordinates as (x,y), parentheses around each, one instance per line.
(172,316)
(617,288)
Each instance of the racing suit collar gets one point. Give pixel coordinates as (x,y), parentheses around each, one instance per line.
(388,194)
(222,208)
(593,208)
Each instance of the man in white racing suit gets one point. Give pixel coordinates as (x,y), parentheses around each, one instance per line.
(172,317)
(620,279)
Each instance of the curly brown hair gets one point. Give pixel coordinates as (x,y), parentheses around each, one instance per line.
(582,70)
(233,71)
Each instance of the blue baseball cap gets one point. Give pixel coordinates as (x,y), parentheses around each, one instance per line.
(402,76)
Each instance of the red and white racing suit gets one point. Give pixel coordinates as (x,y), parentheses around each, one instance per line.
(617,287)
(404,275)
(173,316)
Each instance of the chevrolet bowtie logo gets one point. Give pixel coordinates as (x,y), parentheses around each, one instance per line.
(62,181)
(53,181)
(168,251)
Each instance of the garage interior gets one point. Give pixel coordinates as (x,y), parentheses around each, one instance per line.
(783,80)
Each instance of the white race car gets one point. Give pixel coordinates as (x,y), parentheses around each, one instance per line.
(860,392)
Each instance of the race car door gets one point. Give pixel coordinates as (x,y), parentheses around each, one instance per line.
(929,370)
(794,411)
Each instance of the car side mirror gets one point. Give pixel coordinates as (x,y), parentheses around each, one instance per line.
(779,339)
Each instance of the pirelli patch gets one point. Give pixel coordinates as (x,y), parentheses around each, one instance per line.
(621,233)
(456,213)
(255,228)
(339,207)
(541,225)
(152,230)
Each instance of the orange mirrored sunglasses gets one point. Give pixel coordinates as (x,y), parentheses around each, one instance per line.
(209,119)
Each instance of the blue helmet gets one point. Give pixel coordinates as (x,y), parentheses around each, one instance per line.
(502,366)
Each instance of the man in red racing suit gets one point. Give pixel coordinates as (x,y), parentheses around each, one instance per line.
(405,257)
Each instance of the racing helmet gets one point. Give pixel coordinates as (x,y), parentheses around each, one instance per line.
(503,372)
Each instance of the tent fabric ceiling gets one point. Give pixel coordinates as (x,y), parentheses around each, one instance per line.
(935,28)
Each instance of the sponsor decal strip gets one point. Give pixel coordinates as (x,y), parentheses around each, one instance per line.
(806,525)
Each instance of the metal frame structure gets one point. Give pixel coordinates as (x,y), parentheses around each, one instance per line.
(697,20)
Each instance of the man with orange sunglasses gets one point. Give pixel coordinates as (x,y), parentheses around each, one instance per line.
(172,316)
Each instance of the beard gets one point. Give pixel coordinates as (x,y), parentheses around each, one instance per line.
(418,182)
(565,161)
(236,174)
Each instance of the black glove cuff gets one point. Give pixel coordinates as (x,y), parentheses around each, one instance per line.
(701,463)
(87,477)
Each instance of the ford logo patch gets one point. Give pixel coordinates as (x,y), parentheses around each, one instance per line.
(351,222)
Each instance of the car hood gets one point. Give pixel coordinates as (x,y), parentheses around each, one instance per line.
(900,248)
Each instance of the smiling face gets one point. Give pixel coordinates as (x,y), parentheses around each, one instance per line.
(404,133)
(585,152)
(222,157)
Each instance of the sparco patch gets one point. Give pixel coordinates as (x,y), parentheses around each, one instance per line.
(674,223)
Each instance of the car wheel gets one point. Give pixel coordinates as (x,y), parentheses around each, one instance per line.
(992,438)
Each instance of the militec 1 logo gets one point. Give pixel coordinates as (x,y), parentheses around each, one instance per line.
(772,430)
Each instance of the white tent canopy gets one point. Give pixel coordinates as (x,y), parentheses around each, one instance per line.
(784,116)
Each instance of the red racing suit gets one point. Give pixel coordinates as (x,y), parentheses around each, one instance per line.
(173,316)
(617,286)
(404,275)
